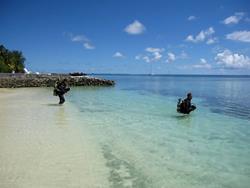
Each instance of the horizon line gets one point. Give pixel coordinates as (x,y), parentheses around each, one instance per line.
(141,74)
(137,74)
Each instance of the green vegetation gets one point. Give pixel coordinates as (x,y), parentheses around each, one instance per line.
(11,61)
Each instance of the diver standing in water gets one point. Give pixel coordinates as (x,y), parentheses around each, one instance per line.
(60,89)
(186,106)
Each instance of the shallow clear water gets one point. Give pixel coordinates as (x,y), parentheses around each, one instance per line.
(147,144)
(128,135)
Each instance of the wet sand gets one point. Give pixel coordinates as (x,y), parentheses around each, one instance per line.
(43,145)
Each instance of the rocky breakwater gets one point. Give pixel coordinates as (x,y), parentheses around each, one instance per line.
(48,80)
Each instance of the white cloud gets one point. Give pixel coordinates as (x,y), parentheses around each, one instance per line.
(243,36)
(202,64)
(204,35)
(212,40)
(232,60)
(203,61)
(234,19)
(152,50)
(171,57)
(152,55)
(146,59)
(118,54)
(88,46)
(135,28)
(79,38)
(191,18)
(190,38)
(157,56)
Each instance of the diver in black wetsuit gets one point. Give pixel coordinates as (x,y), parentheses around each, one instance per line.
(186,106)
(60,89)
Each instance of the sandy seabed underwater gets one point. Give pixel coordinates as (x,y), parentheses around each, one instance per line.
(128,135)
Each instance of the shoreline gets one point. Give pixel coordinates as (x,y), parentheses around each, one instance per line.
(48,80)
(45,145)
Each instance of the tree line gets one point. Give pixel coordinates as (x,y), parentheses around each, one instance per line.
(11,61)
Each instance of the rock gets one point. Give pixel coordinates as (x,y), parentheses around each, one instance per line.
(77,74)
(48,80)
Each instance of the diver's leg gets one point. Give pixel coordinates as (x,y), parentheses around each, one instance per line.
(192,108)
(62,100)
(60,96)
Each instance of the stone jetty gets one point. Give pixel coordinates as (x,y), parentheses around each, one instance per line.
(48,80)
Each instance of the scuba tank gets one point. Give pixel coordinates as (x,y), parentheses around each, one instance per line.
(60,88)
(179,105)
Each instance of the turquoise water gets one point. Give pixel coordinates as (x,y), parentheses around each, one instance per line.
(145,143)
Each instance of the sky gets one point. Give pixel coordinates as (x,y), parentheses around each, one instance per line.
(129,36)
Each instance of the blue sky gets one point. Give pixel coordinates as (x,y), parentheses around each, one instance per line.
(136,37)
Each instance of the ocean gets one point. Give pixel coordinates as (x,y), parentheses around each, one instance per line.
(129,135)
(146,143)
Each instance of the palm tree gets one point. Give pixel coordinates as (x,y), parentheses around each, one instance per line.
(4,59)
(11,60)
(17,61)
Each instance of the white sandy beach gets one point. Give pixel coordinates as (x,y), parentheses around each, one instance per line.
(41,144)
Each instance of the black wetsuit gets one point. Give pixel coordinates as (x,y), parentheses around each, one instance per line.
(186,106)
(60,90)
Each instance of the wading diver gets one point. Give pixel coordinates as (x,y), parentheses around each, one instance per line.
(185,106)
(60,89)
